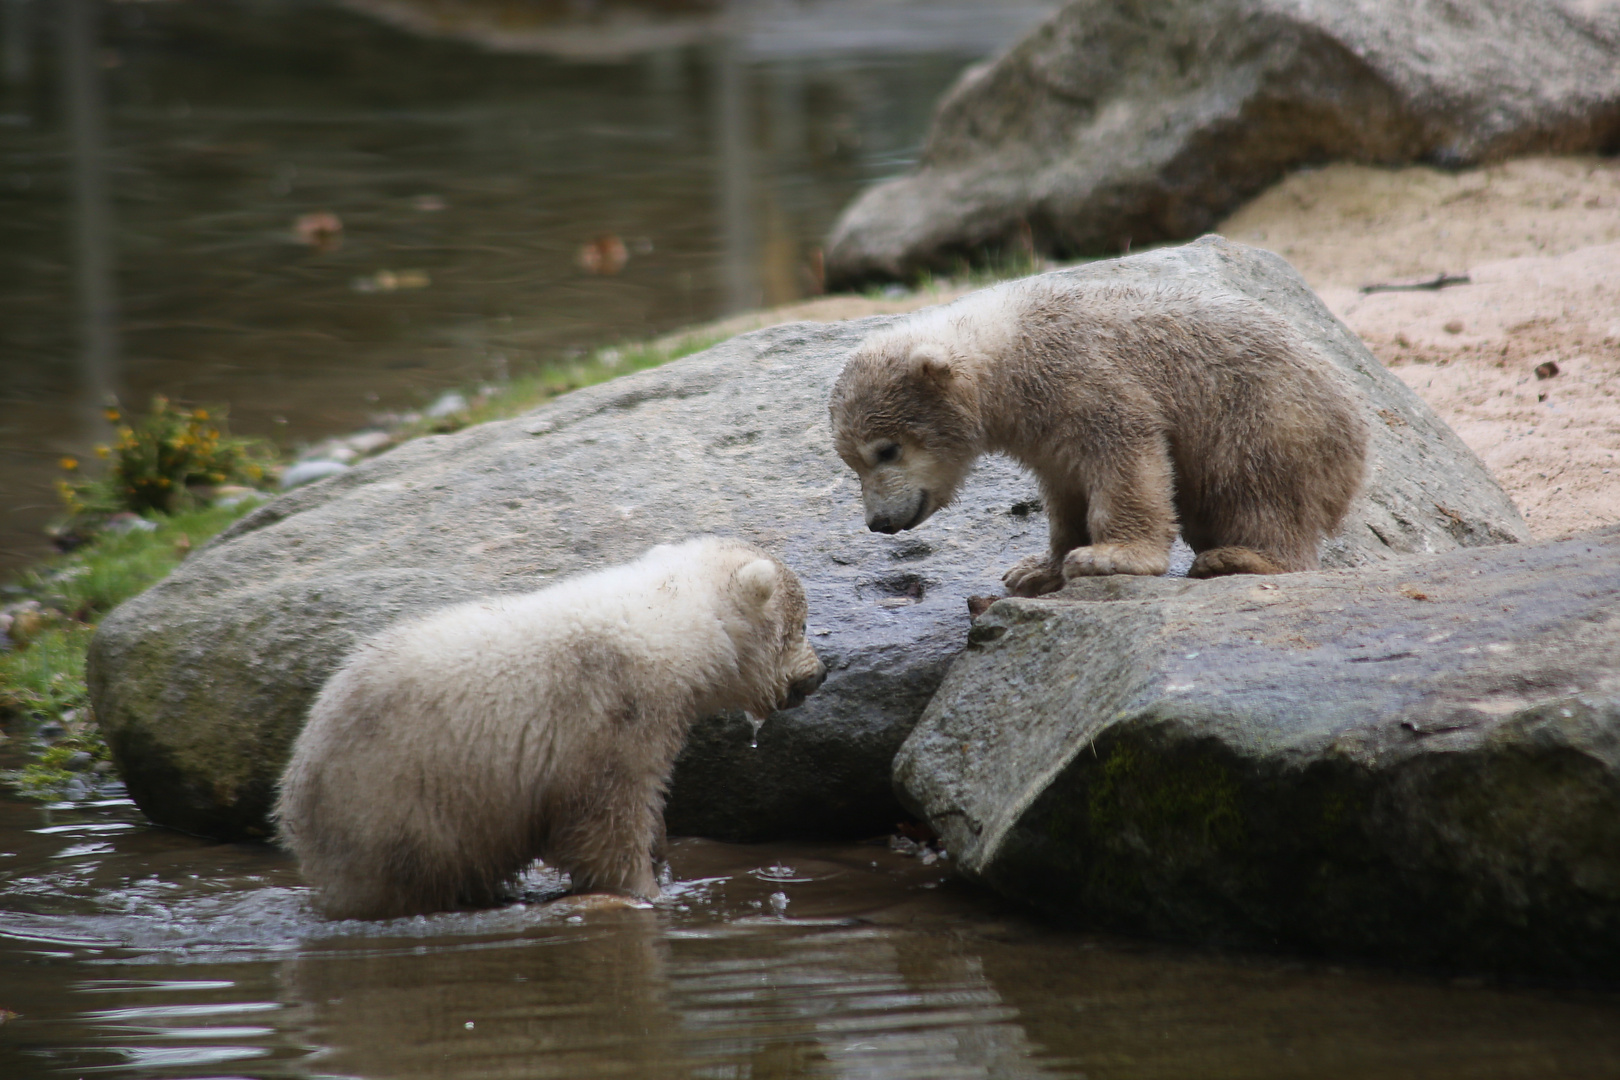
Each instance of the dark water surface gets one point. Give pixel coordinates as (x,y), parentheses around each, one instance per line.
(154,158)
(133,951)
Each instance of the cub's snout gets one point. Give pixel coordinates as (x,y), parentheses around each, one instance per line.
(800,689)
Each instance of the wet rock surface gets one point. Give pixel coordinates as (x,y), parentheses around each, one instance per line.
(1119,122)
(202,683)
(1417,761)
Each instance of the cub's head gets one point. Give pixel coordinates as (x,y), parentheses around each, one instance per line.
(905,417)
(778,666)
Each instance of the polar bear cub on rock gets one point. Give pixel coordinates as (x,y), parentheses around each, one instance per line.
(449,752)
(1137,407)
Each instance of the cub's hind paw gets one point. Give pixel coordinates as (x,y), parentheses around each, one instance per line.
(1033,575)
(1095,560)
(1221,561)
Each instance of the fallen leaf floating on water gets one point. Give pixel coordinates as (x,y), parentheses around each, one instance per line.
(604,255)
(391,280)
(321,231)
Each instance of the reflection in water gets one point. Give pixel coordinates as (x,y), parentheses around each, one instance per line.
(591,1002)
(630,997)
(16,40)
(137,952)
(95,293)
(741,289)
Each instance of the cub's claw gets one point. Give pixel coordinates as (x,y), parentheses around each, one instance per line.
(1033,575)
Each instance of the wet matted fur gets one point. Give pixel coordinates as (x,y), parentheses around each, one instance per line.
(1138,407)
(449,752)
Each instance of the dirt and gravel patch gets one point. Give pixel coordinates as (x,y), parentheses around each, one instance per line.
(1524,360)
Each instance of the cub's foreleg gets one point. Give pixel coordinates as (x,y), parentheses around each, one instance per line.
(606,827)
(1035,575)
(1130,513)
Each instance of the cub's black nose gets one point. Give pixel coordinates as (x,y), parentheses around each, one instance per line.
(803,688)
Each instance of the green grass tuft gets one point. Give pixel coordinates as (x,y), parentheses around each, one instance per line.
(42,677)
(530,391)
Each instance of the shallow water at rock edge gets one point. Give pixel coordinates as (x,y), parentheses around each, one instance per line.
(127,950)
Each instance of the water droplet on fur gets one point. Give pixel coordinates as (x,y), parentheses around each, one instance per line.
(755,722)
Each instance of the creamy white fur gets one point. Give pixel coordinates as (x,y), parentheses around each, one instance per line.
(449,752)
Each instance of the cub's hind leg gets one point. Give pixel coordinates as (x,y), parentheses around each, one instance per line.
(1221,561)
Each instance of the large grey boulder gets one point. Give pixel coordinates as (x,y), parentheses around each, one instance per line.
(1418,760)
(201,684)
(1136,121)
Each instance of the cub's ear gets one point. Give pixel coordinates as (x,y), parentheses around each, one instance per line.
(929,363)
(757,581)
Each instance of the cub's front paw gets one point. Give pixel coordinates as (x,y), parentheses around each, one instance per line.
(1033,575)
(1097,559)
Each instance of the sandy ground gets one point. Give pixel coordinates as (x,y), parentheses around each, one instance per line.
(1539,240)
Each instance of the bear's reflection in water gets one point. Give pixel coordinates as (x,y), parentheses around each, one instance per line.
(769,961)
(644,993)
(881,967)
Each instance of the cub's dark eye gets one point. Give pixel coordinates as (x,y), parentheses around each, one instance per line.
(888,453)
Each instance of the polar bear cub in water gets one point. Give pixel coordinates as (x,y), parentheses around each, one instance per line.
(449,752)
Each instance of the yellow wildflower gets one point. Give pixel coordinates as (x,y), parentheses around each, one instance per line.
(69,463)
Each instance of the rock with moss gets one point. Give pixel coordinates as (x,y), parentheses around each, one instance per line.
(202,683)
(1417,761)
(1120,122)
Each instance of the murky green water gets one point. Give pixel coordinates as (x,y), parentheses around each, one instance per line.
(720,162)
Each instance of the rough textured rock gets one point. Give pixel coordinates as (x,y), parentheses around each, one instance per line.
(1135,121)
(1418,760)
(202,683)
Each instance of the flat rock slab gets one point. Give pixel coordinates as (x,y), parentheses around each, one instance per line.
(1117,122)
(1417,761)
(202,683)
